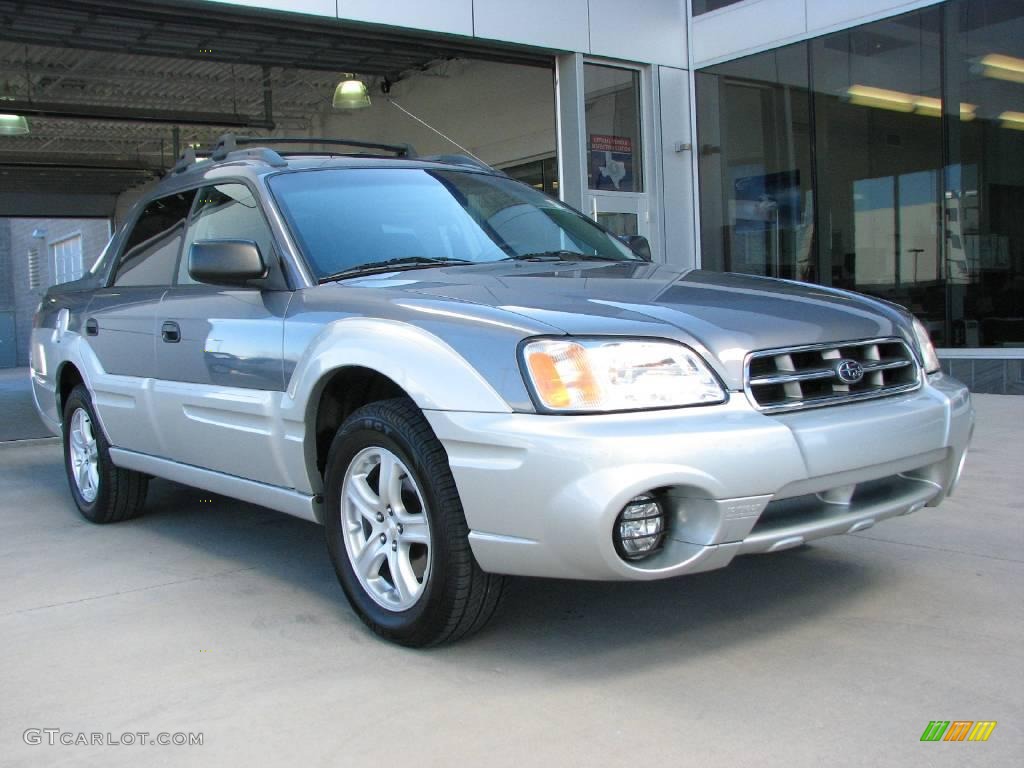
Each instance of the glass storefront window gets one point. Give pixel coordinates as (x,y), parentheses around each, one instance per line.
(755,165)
(887,159)
(983,201)
(612,103)
(878,141)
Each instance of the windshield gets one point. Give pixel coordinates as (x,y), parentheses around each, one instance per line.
(351,218)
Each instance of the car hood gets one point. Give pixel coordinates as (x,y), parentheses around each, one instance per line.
(721,315)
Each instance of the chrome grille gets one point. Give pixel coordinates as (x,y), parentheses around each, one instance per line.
(813,376)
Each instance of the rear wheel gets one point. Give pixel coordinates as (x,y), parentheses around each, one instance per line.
(102,492)
(396,531)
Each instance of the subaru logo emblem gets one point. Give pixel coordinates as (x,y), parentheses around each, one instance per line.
(849,371)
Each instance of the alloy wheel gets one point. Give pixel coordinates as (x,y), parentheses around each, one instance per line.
(385,528)
(84,456)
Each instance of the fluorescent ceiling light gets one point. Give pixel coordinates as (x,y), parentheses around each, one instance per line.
(898,101)
(931,106)
(13,125)
(350,94)
(1003,67)
(882,98)
(1013,120)
(928,105)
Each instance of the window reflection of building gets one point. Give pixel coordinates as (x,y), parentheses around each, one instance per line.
(887,158)
(539,174)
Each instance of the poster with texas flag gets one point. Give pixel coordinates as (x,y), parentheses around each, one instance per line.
(611,163)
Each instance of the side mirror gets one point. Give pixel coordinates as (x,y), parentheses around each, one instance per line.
(639,245)
(226,262)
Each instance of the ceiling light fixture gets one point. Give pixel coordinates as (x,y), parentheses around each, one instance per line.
(13,125)
(1003,67)
(350,94)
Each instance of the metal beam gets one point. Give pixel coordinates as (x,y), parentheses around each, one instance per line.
(77,163)
(131,115)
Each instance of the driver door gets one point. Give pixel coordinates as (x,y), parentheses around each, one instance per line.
(219,362)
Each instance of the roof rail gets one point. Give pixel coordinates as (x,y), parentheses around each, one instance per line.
(229,143)
(189,160)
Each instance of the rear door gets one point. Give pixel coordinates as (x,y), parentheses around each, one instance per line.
(219,352)
(120,322)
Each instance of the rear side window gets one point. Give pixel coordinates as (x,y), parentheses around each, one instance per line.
(226,212)
(151,251)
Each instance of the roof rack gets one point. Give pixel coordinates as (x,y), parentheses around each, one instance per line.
(186,161)
(229,143)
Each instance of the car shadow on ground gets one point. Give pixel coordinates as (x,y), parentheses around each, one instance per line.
(20,420)
(542,622)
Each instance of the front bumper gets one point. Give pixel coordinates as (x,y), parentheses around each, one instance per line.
(541,493)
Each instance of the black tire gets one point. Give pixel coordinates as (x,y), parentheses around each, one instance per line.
(120,493)
(458,597)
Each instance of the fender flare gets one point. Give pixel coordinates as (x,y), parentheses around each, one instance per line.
(434,375)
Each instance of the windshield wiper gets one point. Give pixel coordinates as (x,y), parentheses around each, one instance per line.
(391,265)
(560,256)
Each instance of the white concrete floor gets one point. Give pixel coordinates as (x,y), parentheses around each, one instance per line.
(207,615)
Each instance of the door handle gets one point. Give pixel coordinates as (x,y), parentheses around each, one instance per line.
(170,332)
(92,328)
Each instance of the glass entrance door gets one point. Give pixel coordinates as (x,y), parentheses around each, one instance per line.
(623,214)
(616,194)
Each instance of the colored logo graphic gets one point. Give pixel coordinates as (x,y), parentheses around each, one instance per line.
(958,730)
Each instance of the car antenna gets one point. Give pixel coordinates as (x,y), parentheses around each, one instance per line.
(385,88)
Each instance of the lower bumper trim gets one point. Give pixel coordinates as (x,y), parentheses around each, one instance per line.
(806,518)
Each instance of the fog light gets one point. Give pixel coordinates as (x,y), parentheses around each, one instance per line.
(640,528)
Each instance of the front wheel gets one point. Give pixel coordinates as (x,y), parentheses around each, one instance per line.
(396,531)
(102,492)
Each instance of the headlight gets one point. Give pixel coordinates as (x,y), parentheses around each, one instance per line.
(924,343)
(578,375)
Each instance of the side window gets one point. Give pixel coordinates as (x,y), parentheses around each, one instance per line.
(226,212)
(151,250)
